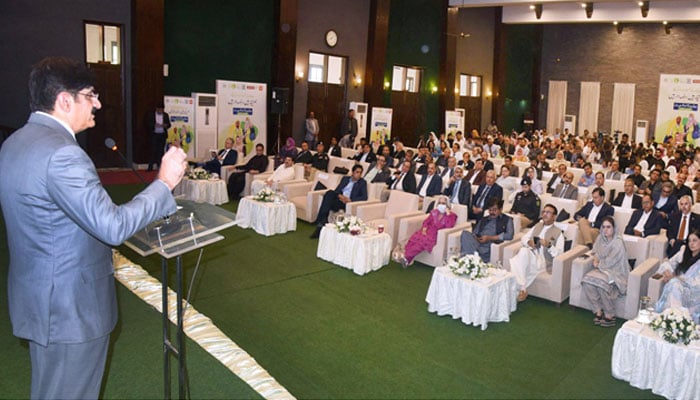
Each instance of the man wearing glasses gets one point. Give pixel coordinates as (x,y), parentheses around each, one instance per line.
(666,202)
(495,228)
(62,224)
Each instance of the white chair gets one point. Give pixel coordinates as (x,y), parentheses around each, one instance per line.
(399,205)
(657,243)
(644,164)
(571,206)
(625,306)
(554,286)
(435,258)
(307,201)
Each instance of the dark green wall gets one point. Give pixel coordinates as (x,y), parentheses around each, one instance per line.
(522,54)
(217,39)
(412,24)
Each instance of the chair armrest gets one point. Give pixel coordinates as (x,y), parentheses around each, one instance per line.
(351,207)
(297,189)
(441,248)
(655,288)
(657,246)
(283,184)
(637,285)
(579,269)
(371,211)
(408,226)
(497,248)
(509,252)
(454,240)
(561,272)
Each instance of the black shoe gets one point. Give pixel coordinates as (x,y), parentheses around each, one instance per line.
(607,323)
(316,234)
(590,246)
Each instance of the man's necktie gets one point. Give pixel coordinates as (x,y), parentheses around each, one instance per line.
(681,231)
(482,198)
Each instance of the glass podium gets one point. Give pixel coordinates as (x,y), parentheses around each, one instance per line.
(193,226)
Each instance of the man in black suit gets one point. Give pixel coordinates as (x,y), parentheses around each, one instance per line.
(350,188)
(430,183)
(226,156)
(334,149)
(157,123)
(304,156)
(680,189)
(487,190)
(645,221)
(378,171)
(666,202)
(681,224)
(497,228)
(367,155)
(458,190)
(628,199)
(590,216)
(404,179)
(556,178)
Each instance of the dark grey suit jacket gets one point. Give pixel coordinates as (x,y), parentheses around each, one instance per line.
(62,225)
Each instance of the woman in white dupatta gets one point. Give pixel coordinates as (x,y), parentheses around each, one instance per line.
(682,276)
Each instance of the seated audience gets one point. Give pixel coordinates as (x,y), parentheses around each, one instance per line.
(425,238)
(378,171)
(682,276)
(628,199)
(588,178)
(486,190)
(681,223)
(334,149)
(477,175)
(257,164)
(666,202)
(350,188)
(404,179)
(557,178)
(458,190)
(608,278)
(319,161)
(566,190)
(526,204)
(645,221)
(288,150)
(226,156)
(540,245)
(430,183)
(283,173)
(614,173)
(590,216)
(495,228)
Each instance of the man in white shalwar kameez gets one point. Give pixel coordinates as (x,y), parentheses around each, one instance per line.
(540,245)
(283,173)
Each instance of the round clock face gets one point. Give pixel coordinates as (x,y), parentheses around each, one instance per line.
(331,38)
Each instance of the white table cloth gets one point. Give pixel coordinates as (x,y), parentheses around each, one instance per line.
(266,218)
(642,358)
(202,190)
(475,302)
(361,253)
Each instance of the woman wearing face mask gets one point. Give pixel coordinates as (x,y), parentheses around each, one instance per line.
(682,276)
(424,239)
(608,279)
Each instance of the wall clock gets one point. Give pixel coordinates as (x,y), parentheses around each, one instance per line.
(331,38)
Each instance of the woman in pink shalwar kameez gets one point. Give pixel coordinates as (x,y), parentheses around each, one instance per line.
(425,238)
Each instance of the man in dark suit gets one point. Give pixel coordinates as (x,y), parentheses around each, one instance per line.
(556,178)
(403,179)
(498,227)
(334,149)
(666,202)
(254,166)
(60,282)
(458,190)
(304,156)
(488,165)
(367,155)
(430,183)
(350,188)
(477,175)
(590,216)
(157,124)
(378,171)
(226,156)
(645,221)
(628,198)
(681,224)
(680,189)
(487,190)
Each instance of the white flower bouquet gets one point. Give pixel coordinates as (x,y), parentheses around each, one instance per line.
(350,224)
(470,266)
(266,194)
(198,173)
(676,326)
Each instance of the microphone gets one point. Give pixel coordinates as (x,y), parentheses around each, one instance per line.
(112,145)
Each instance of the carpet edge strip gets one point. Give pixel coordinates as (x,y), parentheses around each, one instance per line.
(199,328)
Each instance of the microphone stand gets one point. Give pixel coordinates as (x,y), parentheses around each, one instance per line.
(114,148)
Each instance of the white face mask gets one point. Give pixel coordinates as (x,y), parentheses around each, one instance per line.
(442,208)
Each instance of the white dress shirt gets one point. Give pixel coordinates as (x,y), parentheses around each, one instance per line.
(642,221)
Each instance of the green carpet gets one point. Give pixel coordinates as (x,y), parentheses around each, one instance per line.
(324,332)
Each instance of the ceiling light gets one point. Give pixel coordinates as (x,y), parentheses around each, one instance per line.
(589,9)
(644,7)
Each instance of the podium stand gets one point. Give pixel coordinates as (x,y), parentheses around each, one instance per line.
(193,226)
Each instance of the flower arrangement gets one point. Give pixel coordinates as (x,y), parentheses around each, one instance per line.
(266,194)
(199,174)
(675,326)
(350,224)
(470,266)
